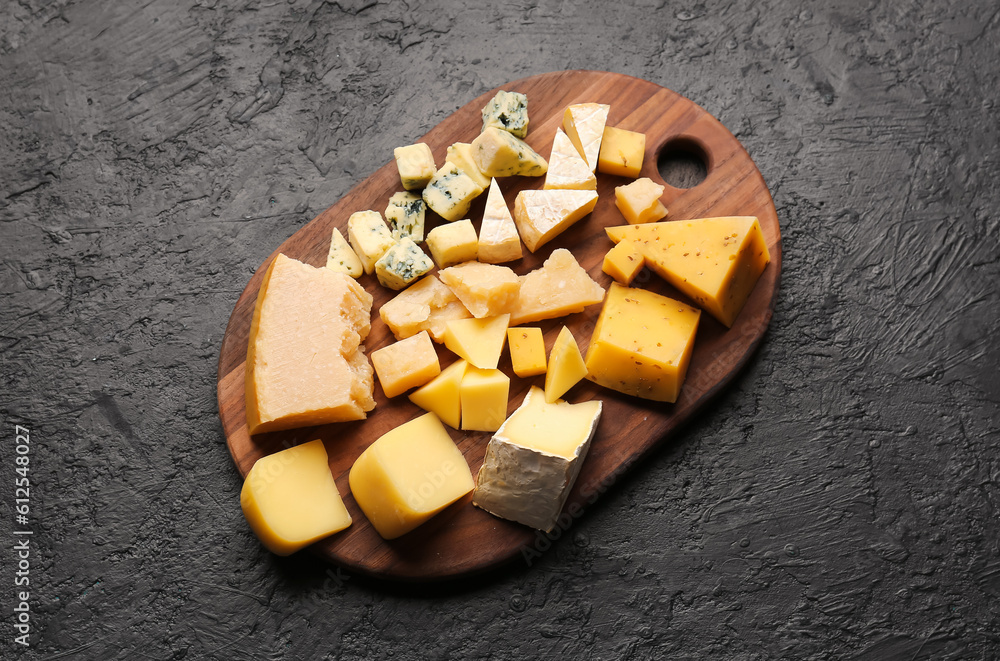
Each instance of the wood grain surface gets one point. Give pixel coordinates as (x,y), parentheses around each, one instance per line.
(464,539)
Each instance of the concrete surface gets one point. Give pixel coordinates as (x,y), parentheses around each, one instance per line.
(839,502)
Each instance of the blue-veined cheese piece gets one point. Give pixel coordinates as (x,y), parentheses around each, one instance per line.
(460,154)
(342,257)
(500,154)
(415,164)
(369,237)
(402,264)
(405,214)
(507,111)
(450,192)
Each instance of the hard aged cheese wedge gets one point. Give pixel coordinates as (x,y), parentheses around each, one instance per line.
(640,202)
(566,366)
(406,364)
(557,288)
(500,154)
(453,243)
(498,239)
(342,257)
(425,305)
(542,215)
(369,237)
(567,168)
(479,341)
(405,214)
(642,344)
(584,124)
(527,350)
(484,399)
(623,262)
(290,499)
(442,394)
(622,152)
(507,111)
(401,264)
(486,290)
(450,192)
(533,460)
(714,261)
(305,358)
(460,154)
(408,475)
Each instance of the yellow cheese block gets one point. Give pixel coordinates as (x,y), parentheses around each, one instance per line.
(442,394)
(714,261)
(622,152)
(557,288)
(484,395)
(584,124)
(342,257)
(640,202)
(427,305)
(305,359)
(453,243)
(567,168)
(487,290)
(499,154)
(527,350)
(290,499)
(642,344)
(542,215)
(566,366)
(408,475)
(623,262)
(460,154)
(415,164)
(406,364)
(479,341)
(498,239)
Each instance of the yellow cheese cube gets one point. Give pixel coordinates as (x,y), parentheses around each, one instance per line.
(567,168)
(622,152)
(642,344)
(542,215)
(453,243)
(460,154)
(342,257)
(584,124)
(714,261)
(486,290)
(425,305)
(442,394)
(450,192)
(408,475)
(623,262)
(640,202)
(290,499)
(566,366)
(558,287)
(527,350)
(369,236)
(415,164)
(401,264)
(500,154)
(484,399)
(498,238)
(406,364)
(479,341)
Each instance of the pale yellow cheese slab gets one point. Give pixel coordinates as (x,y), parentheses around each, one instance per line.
(560,286)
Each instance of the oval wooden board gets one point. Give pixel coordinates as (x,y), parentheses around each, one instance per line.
(464,539)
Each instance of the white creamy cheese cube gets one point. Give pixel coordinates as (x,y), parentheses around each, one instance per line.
(507,111)
(369,237)
(450,192)
(402,264)
(534,458)
(405,214)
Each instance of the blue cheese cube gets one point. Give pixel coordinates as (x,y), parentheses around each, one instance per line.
(405,214)
(342,257)
(402,264)
(497,153)
(369,237)
(450,192)
(415,164)
(507,111)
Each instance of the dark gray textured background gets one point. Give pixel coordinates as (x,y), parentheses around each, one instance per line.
(840,501)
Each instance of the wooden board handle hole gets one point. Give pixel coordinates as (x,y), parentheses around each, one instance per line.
(683,162)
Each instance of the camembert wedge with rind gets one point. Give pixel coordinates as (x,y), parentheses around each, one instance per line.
(533,460)
(498,238)
(584,124)
(542,215)
(567,169)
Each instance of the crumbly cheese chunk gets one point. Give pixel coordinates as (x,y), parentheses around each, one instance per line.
(500,154)
(557,288)
(486,289)
(460,154)
(640,202)
(402,264)
(450,192)
(425,305)
(405,214)
(369,237)
(507,111)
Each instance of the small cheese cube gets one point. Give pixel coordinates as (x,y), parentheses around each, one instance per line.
(527,350)
(402,264)
(453,243)
(450,192)
(408,475)
(507,111)
(642,344)
(442,394)
(479,341)
(424,305)
(640,202)
(415,164)
(623,262)
(342,257)
(566,366)
(406,364)
(584,124)
(290,499)
(500,154)
(542,215)
(484,395)
(460,154)
(485,289)
(369,237)
(498,238)
(560,286)
(622,152)
(405,214)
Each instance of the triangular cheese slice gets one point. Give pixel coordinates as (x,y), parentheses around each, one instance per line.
(567,169)
(498,239)
(441,395)
(479,341)
(342,257)
(714,261)
(558,288)
(566,366)
(584,124)
(542,215)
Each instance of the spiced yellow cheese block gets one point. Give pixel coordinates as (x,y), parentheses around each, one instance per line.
(714,261)
(305,358)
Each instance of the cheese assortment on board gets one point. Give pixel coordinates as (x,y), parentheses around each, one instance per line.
(306,363)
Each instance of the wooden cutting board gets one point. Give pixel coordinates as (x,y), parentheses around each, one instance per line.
(464,539)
